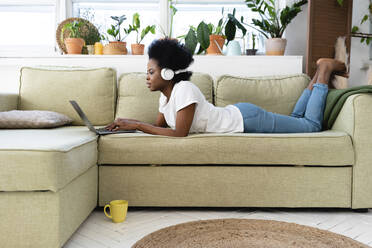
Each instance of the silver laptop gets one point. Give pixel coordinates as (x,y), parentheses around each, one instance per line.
(100,131)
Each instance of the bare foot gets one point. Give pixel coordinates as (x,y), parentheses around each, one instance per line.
(333,65)
(326,68)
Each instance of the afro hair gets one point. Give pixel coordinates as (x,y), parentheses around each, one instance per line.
(169,53)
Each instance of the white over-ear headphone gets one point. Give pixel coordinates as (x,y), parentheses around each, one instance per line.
(168,74)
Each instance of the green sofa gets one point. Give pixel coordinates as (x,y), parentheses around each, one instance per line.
(51,179)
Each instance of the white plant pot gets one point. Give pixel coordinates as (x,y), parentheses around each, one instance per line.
(90,49)
(275,46)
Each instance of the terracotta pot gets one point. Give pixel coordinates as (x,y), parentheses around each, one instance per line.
(115,48)
(74,45)
(275,46)
(213,49)
(137,49)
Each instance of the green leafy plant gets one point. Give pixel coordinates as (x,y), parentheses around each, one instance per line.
(173,10)
(191,40)
(273,21)
(231,26)
(225,27)
(253,40)
(114,31)
(195,36)
(172,14)
(355,31)
(218,30)
(91,35)
(73,28)
(136,25)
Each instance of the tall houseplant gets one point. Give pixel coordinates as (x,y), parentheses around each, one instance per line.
(74,43)
(138,48)
(273,22)
(117,44)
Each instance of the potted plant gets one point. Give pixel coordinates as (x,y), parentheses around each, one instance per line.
(195,36)
(138,48)
(207,35)
(253,50)
(74,43)
(273,22)
(91,36)
(217,37)
(117,44)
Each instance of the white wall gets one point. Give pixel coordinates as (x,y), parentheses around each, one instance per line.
(296,34)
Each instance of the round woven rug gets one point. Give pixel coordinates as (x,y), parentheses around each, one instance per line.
(239,233)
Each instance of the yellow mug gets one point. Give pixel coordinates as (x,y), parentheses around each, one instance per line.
(118,210)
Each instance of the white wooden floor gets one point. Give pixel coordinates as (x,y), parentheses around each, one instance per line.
(98,231)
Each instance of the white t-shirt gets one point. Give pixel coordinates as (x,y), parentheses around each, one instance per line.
(207,118)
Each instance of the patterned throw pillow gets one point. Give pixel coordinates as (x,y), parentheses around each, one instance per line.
(32,119)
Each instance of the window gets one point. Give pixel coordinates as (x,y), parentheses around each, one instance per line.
(27,27)
(99,12)
(192,12)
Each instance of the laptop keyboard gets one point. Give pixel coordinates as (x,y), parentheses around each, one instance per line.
(104,131)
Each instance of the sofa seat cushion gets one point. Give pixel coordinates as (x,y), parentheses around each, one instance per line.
(328,148)
(45,159)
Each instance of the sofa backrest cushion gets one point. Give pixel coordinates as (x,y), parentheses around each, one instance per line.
(136,101)
(276,94)
(51,89)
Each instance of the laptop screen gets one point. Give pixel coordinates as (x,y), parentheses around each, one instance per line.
(82,115)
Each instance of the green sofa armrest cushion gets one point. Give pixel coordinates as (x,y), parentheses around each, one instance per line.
(51,89)
(8,101)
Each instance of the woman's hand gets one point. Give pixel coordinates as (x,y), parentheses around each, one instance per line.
(122,124)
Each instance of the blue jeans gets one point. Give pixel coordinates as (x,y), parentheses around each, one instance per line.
(307,115)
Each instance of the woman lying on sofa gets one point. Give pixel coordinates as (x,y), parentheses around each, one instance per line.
(184,109)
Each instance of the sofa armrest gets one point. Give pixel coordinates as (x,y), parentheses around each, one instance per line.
(8,101)
(355,118)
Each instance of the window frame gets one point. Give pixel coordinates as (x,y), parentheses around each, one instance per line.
(64,10)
